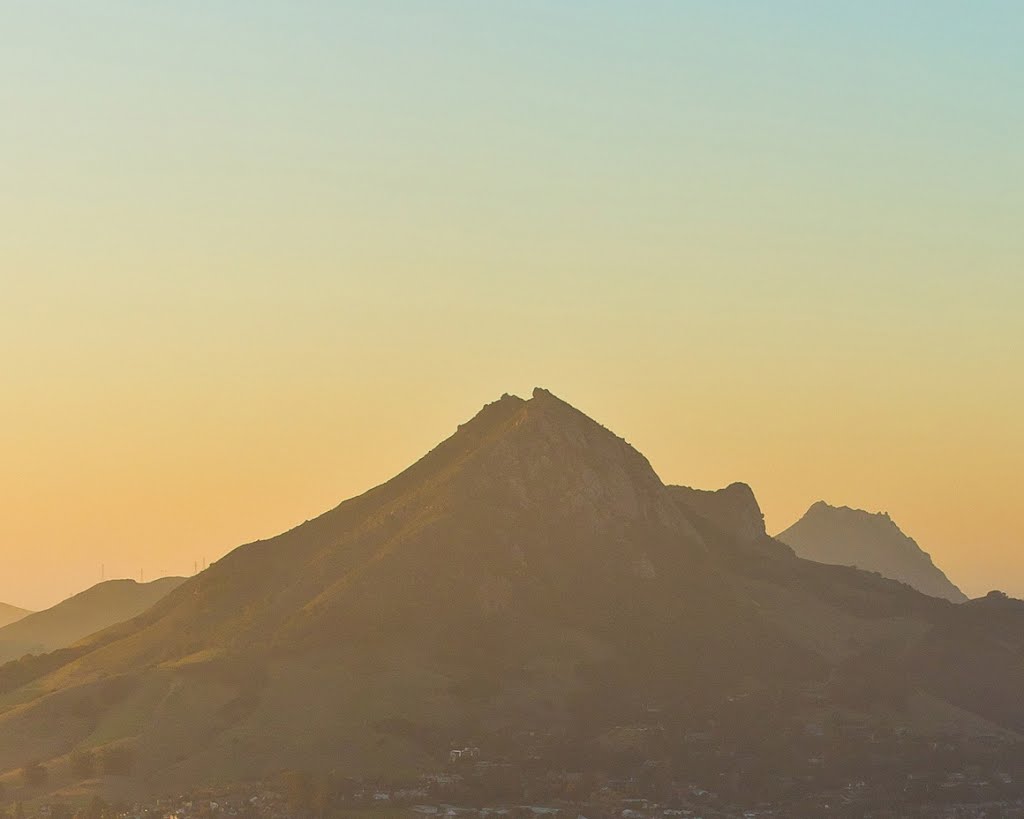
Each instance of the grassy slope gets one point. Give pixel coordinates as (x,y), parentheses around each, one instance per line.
(532,570)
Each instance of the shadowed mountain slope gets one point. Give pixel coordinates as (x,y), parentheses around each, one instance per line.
(531,569)
(531,573)
(733,512)
(886,642)
(734,509)
(96,608)
(853,537)
(11,614)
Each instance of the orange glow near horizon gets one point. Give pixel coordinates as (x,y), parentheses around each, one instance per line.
(159,497)
(255,261)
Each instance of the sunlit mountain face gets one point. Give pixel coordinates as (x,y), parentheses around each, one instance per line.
(530,576)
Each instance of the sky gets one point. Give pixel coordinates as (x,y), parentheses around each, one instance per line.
(257,257)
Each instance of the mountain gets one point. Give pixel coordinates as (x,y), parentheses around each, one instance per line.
(11,614)
(733,511)
(531,586)
(853,537)
(90,611)
(532,569)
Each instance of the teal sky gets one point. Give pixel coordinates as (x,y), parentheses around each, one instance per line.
(258,256)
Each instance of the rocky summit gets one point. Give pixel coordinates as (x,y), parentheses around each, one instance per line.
(853,537)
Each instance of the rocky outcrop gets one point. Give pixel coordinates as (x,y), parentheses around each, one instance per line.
(733,509)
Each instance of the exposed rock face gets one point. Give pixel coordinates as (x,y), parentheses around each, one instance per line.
(550,452)
(731,520)
(853,537)
(733,509)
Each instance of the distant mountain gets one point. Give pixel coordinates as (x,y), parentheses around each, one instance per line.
(853,537)
(530,586)
(90,611)
(11,614)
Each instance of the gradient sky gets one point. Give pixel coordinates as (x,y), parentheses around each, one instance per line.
(259,256)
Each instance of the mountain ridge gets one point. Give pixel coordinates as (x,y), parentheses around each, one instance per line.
(869,540)
(531,572)
(532,532)
(11,614)
(80,615)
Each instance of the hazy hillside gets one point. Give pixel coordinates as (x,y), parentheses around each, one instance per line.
(11,614)
(531,570)
(90,611)
(531,576)
(734,509)
(734,512)
(853,537)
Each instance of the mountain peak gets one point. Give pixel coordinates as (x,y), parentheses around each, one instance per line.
(824,508)
(734,509)
(531,572)
(545,448)
(868,540)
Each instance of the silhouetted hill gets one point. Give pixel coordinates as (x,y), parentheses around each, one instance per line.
(853,537)
(11,614)
(734,509)
(83,614)
(530,576)
(732,512)
(532,569)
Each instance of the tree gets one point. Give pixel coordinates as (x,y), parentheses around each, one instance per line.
(606,802)
(322,797)
(298,788)
(97,808)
